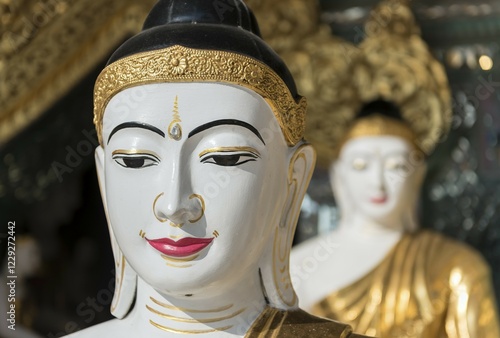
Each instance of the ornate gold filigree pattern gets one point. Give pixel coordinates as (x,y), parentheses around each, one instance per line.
(315,57)
(47,47)
(286,24)
(201,66)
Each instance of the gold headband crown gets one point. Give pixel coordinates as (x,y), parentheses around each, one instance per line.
(178,64)
(377,125)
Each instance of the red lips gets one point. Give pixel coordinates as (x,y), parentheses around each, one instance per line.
(182,248)
(379,200)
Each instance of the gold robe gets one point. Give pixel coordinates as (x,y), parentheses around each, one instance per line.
(428,286)
(274,323)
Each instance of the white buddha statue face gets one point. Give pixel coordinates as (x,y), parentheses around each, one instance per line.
(193,177)
(378,177)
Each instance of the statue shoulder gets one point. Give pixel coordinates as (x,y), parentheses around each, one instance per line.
(447,255)
(298,323)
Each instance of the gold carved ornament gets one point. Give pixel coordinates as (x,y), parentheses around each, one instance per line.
(286,24)
(47,47)
(316,58)
(394,64)
(181,64)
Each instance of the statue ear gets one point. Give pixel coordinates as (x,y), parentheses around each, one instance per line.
(99,163)
(125,276)
(420,172)
(410,217)
(300,170)
(337,183)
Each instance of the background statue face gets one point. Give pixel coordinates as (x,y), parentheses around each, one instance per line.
(378,177)
(213,158)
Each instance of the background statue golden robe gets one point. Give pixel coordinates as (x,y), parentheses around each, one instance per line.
(385,277)
(428,286)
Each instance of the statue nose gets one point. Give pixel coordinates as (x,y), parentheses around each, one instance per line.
(178,211)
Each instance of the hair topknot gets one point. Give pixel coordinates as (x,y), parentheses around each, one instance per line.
(228,12)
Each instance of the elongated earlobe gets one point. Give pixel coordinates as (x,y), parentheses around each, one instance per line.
(279,289)
(342,199)
(410,216)
(99,164)
(125,276)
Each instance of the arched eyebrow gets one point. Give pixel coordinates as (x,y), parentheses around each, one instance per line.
(212,124)
(136,125)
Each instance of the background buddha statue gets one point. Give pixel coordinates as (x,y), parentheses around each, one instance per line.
(202,170)
(377,270)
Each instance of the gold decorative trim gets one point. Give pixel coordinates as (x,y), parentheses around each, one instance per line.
(175,128)
(228,150)
(175,225)
(377,125)
(183,309)
(134,152)
(283,283)
(202,204)
(179,266)
(181,64)
(171,330)
(119,283)
(192,320)
(37,70)
(179,260)
(283,244)
(162,220)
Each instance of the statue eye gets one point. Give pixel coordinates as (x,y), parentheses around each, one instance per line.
(136,161)
(396,164)
(230,160)
(359,164)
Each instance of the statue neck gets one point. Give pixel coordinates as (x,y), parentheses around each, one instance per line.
(361,226)
(230,312)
